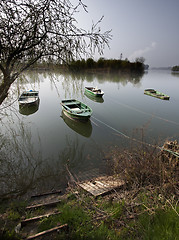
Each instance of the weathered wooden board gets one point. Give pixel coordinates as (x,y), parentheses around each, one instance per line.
(30,220)
(46,232)
(100,186)
(43,205)
(46,194)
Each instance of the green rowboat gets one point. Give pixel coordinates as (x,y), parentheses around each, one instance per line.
(76,110)
(154,93)
(94,91)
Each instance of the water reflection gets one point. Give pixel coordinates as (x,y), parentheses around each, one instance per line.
(75,81)
(23,169)
(175,74)
(28,110)
(123,77)
(34,156)
(93,98)
(84,129)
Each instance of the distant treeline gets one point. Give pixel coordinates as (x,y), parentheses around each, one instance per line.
(175,68)
(107,64)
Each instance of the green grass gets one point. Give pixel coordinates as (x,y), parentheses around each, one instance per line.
(153,218)
(80,224)
(162,225)
(9,235)
(13,215)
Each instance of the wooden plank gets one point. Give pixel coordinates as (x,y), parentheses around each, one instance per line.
(29,220)
(111,184)
(101,186)
(43,205)
(46,194)
(98,188)
(102,193)
(89,185)
(94,186)
(90,189)
(105,186)
(94,190)
(46,232)
(110,189)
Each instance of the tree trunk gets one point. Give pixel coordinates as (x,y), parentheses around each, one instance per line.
(4,88)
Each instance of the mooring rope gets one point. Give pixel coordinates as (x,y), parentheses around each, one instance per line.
(172,152)
(123,134)
(138,110)
(134,139)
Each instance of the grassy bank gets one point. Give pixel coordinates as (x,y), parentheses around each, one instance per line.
(148,216)
(145,208)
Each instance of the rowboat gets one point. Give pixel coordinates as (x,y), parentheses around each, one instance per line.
(29,98)
(76,110)
(94,91)
(154,93)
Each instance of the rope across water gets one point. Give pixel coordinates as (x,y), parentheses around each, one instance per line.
(134,139)
(138,110)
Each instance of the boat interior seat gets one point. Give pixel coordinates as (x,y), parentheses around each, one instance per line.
(75,109)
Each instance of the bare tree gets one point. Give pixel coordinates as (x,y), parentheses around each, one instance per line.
(31,30)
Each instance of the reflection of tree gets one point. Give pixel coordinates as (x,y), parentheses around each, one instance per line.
(82,157)
(28,80)
(21,165)
(73,154)
(175,74)
(101,77)
(74,83)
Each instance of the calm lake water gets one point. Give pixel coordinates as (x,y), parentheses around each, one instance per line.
(49,141)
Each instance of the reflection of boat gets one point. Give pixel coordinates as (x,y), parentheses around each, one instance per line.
(94,91)
(76,110)
(84,129)
(154,93)
(29,98)
(28,109)
(95,99)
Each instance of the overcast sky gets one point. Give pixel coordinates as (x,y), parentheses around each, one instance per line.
(140,28)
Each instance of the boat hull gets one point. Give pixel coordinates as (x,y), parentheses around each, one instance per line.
(29,102)
(94,92)
(154,93)
(93,98)
(75,116)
